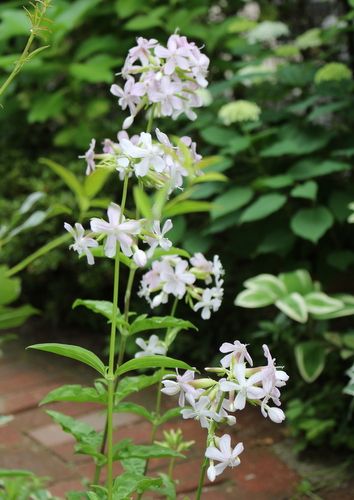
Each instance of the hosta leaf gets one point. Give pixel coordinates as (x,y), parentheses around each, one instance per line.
(152,362)
(264,206)
(267,282)
(346,310)
(74,352)
(75,393)
(293,306)
(143,323)
(310,358)
(320,303)
(297,281)
(255,297)
(311,223)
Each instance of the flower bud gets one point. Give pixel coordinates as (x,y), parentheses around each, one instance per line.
(139,258)
(203,383)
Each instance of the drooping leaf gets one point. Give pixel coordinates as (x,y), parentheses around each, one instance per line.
(12,317)
(103,307)
(75,393)
(312,223)
(310,358)
(320,303)
(152,362)
(128,407)
(293,306)
(74,352)
(307,169)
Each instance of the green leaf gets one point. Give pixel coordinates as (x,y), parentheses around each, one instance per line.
(267,282)
(136,465)
(346,310)
(12,317)
(320,303)
(186,207)
(307,169)
(297,281)
(74,352)
(230,201)
(96,69)
(131,450)
(263,207)
(253,298)
(95,181)
(134,408)
(296,141)
(129,385)
(293,306)
(311,223)
(30,201)
(129,482)
(103,307)
(310,358)
(307,190)
(47,106)
(77,428)
(10,288)
(143,323)
(74,393)
(218,136)
(142,202)
(169,415)
(70,180)
(152,362)
(274,182)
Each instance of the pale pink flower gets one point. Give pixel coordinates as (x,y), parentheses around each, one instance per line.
(224,454)
(246,388)
(82,243)
(201,410)
(207,303)
(154,346)
(180,386)
(237,351)
(142,50)
(89,156)
(176,278)
(158,236)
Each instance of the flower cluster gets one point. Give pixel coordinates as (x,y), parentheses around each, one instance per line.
(121,233)
(158,163)
(213,402)
(172,275)
(167,78)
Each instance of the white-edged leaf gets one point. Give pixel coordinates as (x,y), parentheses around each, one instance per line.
(267,282)
(255,297)
(293,306)
(310,358)
(297,281)
(320,303)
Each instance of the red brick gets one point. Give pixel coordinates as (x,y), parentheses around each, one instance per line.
(60,489)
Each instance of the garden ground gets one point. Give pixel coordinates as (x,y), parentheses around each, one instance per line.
(269,469)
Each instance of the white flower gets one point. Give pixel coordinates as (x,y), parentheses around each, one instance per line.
(150,348)
(224,454)
(129,96)
(149,154)
(245,387)
(208,302)
(181,386)
(201,410)
(272,378)
(275,414)
(139,257)
(117,229)
(176,278)
(158,236)
(237,351)
(202,264)
(82,243)
(89,156)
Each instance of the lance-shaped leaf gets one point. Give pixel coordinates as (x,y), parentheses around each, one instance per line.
(74,352)
(11,317)
(74,393)
(310,358)
(152,362)
(103,307)
(127,449)
(143,323)
(129,385)
(320,303)
(294,306)
(169,415)
(128,407)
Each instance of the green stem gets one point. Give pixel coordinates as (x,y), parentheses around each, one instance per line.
(151,119)
(110,378)
(203,469)
(170,468)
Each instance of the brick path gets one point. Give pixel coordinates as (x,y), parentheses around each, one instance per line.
(31,441)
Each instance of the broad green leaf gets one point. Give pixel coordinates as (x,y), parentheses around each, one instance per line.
(71,16)
(12,317)
(293,306)
(311,223)
(307,190)
(130,482)
(218,136)
(46,106)
(129,385)
(253,298)
(159,252)
(70,180)
(209,177)
(77,428)
(186,207)
(338,203)
(268,282)
(297,281)
(95,181)
(142,202)
(128,407)
(274,182)
(320,303)
(296,141)
(348,340)
(230,201)
(346,310)
(96,69)
(307,169)
(152,362)
(136,465)
(10,288)
(75,393)
(74,352)
(279,241)
(143,323)
(310,358)
(264,206)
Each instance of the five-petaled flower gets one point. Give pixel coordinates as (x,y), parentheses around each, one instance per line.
(82,243)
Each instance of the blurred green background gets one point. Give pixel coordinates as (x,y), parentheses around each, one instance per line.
(279,117)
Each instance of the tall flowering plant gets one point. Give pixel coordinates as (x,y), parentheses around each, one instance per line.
(162,81)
